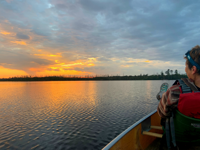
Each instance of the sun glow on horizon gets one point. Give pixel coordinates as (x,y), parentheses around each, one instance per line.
(6,72)
(62,72)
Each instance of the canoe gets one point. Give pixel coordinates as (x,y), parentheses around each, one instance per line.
(138,136)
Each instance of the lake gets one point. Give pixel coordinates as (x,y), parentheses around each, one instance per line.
(71,115)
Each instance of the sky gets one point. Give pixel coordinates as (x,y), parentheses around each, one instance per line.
(96,37)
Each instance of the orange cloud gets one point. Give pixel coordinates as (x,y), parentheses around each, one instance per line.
(54,55)
(5,32)
(54,67)
(59,63)
(56,61)
(19,42)
(51,55)
(75,64)
(69,65)
(90,64)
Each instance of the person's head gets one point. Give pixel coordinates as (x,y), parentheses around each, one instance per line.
(192,69)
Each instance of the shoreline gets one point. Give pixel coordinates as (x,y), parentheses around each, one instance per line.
(97,78)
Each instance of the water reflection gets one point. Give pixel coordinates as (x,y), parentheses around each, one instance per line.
(71,115)
(148,88)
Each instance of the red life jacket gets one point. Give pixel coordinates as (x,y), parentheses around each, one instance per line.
(189,101)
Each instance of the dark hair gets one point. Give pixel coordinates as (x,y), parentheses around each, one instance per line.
(195,54)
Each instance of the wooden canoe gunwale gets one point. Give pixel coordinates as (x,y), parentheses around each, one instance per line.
(115,140)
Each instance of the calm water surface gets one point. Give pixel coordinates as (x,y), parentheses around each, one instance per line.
(71,115)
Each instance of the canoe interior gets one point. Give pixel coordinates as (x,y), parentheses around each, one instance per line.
(135,140)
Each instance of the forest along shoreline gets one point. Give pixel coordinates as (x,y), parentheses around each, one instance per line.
(168,75)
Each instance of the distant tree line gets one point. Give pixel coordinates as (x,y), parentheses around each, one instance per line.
(167,75)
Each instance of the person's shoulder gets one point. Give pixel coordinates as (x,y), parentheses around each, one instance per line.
(187,80)
(190,83)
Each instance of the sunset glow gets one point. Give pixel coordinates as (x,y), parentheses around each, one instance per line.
(103,37)
(5,72)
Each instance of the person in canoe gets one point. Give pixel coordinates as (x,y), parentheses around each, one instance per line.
(179,106)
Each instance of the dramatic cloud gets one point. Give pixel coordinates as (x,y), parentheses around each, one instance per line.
(122,37)
(21,60)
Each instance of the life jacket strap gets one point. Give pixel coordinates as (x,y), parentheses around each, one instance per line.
(172,130)
(184,87)
(167,133)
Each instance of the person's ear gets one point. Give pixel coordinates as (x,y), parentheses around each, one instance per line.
(194,69)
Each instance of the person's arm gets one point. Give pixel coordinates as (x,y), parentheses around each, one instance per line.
(168,101)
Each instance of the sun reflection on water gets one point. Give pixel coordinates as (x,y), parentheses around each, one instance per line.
(32,111)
